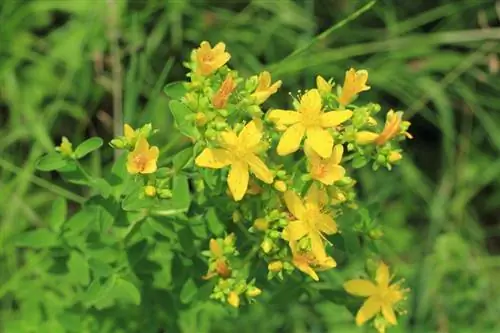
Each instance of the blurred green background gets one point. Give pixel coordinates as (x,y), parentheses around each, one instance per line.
(66,66)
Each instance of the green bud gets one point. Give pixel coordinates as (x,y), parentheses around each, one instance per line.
(211,134)
(255,111)
(274,234)
(146,130)
(274,214)
(220,125)
(288,266)
(118,143)
(164,193)
(381,159)
(376,234)
(251,83)
(306,177)
(345,181)
(281,174)
(223,112)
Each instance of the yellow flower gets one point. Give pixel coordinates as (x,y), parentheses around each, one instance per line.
(238,151)
(143,158)
(265,88)
(220,98)
(66,148)
(309,263)
(354,83)
(327,170)
(323,86)
(382,297)
(310,121)
(391,129)
(310,221)
(209,59)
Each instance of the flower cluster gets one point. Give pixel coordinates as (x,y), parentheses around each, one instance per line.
(283,175)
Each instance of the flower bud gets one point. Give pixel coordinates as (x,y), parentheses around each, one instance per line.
(365,137)
(253,292)
(267,245)
(280,185)
(394,156)
(118,143)
(233,299)
(275,266)
(237,216)
(164,193)
(146,130)
(376,234)
(255,111)
(150,191)
(323,86)
(261,224)
(200,119)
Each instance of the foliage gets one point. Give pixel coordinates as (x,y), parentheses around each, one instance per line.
(61,76)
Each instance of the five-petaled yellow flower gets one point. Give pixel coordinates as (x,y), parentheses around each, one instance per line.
(354,83)
(240,152)
(391,129)
(326,170)
(264,88)
(310,221)
(382,297)
(143,158)
(310,121)
(209,59)
(308,263)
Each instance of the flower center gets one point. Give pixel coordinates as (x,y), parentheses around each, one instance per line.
(318,170)
(207,57)
(311,119)
(140,161)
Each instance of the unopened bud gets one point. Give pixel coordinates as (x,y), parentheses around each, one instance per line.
(267,245)
(233,299)
(376,234)
(365,137)
(118,143)
(275,266)
(237,216)
(164,193)
(150,191)
(280,185)
(261,224)
(200,119)
(253,292)
(394,156)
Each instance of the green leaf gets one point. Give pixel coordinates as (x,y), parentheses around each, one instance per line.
(50,162)
(78,268)
(359,161)
(126,291)
(99,267)
(184,123)
(182,158)
(58,213)
(97,291)
(214,223)
(175,90)
(88,146)
(188,291)
(40,238)
(186,240)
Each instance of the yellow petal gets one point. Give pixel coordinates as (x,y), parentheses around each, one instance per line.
(326,224)
(326,263)
(284,117)
(389,314)
(317,246)
(334,118)
(228,139)
(295,230)
(142,146)
(332,174)
(323,86)
(365,137)
(215,248)
(337,153)
(132,167)
(238,179)
(294,204)
(315,196)
(320,141)
(213,158)
(359,287)
(290,140)
(382,276)
(259,169)
(218,48)
(310,103)
(251,134)
(153,153)
(128,132)
(369,309)
(264,81)
(303,266)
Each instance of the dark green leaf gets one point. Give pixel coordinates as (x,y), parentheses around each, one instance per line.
(214,223)
(51,162)
(88,146)
(182,158)
(78,268)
